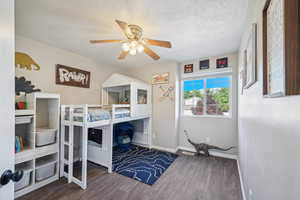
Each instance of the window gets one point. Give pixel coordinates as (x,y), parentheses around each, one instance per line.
(142,96)
(207,96)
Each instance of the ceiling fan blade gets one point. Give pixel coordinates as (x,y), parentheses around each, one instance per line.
(159,43)
(123,55)
(104,41)
(151,53)
(124,27)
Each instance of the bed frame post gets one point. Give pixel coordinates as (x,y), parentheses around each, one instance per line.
(71,147)
(62,140)
(110,146)
(84,150)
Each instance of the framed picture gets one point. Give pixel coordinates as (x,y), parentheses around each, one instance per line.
(281,48)
(161,78)
(250,58)
(204,64)
(275,48)
(222,63)
(243,73)
(189,68)
(242,78)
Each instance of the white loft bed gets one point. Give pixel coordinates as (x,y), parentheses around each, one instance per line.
(75,122)
(77,119)
(122,92)
(121,89)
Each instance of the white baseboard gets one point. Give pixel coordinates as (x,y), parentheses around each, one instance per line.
(164,149)
(241,181)
(213,153)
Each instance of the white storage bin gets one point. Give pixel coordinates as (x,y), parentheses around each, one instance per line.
(23,120)
(24,182)
(45,136)
(45,171)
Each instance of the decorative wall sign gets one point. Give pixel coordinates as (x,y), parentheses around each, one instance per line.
(72,77)
(24,61)
(251,58)
(189,68)
(281,48)
(204,64)
(167,93)
(222,63)
(161,78)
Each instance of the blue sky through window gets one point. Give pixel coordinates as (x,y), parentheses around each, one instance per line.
(193,85)
(219,82)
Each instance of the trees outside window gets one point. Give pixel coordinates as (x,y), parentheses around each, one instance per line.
(208,96)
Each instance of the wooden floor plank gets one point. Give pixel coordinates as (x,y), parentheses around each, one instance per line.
(189,177)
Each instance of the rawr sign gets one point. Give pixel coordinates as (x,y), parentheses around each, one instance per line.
(72,77)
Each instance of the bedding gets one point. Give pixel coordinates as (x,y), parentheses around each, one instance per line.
(98,115)
(122,115)
(92,143)
(93,115)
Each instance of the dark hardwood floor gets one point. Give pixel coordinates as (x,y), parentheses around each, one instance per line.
(188,178)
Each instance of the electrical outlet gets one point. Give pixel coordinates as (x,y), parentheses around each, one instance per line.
(154,134)
(207,139)
(250,194)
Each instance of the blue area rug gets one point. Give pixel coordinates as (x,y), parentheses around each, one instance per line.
(141,163)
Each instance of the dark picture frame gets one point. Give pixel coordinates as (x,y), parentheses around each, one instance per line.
(188,68)
(222,63)
(204,64)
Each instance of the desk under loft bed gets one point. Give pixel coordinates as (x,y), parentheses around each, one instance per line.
(87,130)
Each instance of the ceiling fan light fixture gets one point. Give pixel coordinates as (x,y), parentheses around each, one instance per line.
(140,48)
(126,46)
(134,44)
(132,51)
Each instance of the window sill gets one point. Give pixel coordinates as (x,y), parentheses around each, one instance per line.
(207,116)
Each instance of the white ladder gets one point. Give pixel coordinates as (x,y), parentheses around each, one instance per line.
(69,142)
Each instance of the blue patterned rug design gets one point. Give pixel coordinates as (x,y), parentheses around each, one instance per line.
(141,163)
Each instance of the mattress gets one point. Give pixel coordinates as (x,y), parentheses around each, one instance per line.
(94,115)
(98,115)
(122,115)
(92,143)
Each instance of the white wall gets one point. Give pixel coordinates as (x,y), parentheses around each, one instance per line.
(220,131)
(47,57)
(269,134)
(164,113)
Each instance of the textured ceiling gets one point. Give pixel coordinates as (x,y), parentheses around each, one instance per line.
(196,28)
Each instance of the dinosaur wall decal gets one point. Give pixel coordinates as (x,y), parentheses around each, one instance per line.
(202,149)
(22,85)
(24,61)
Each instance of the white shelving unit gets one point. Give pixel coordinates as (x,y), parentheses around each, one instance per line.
(43,112)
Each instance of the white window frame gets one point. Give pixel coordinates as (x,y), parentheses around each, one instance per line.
(206,76)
